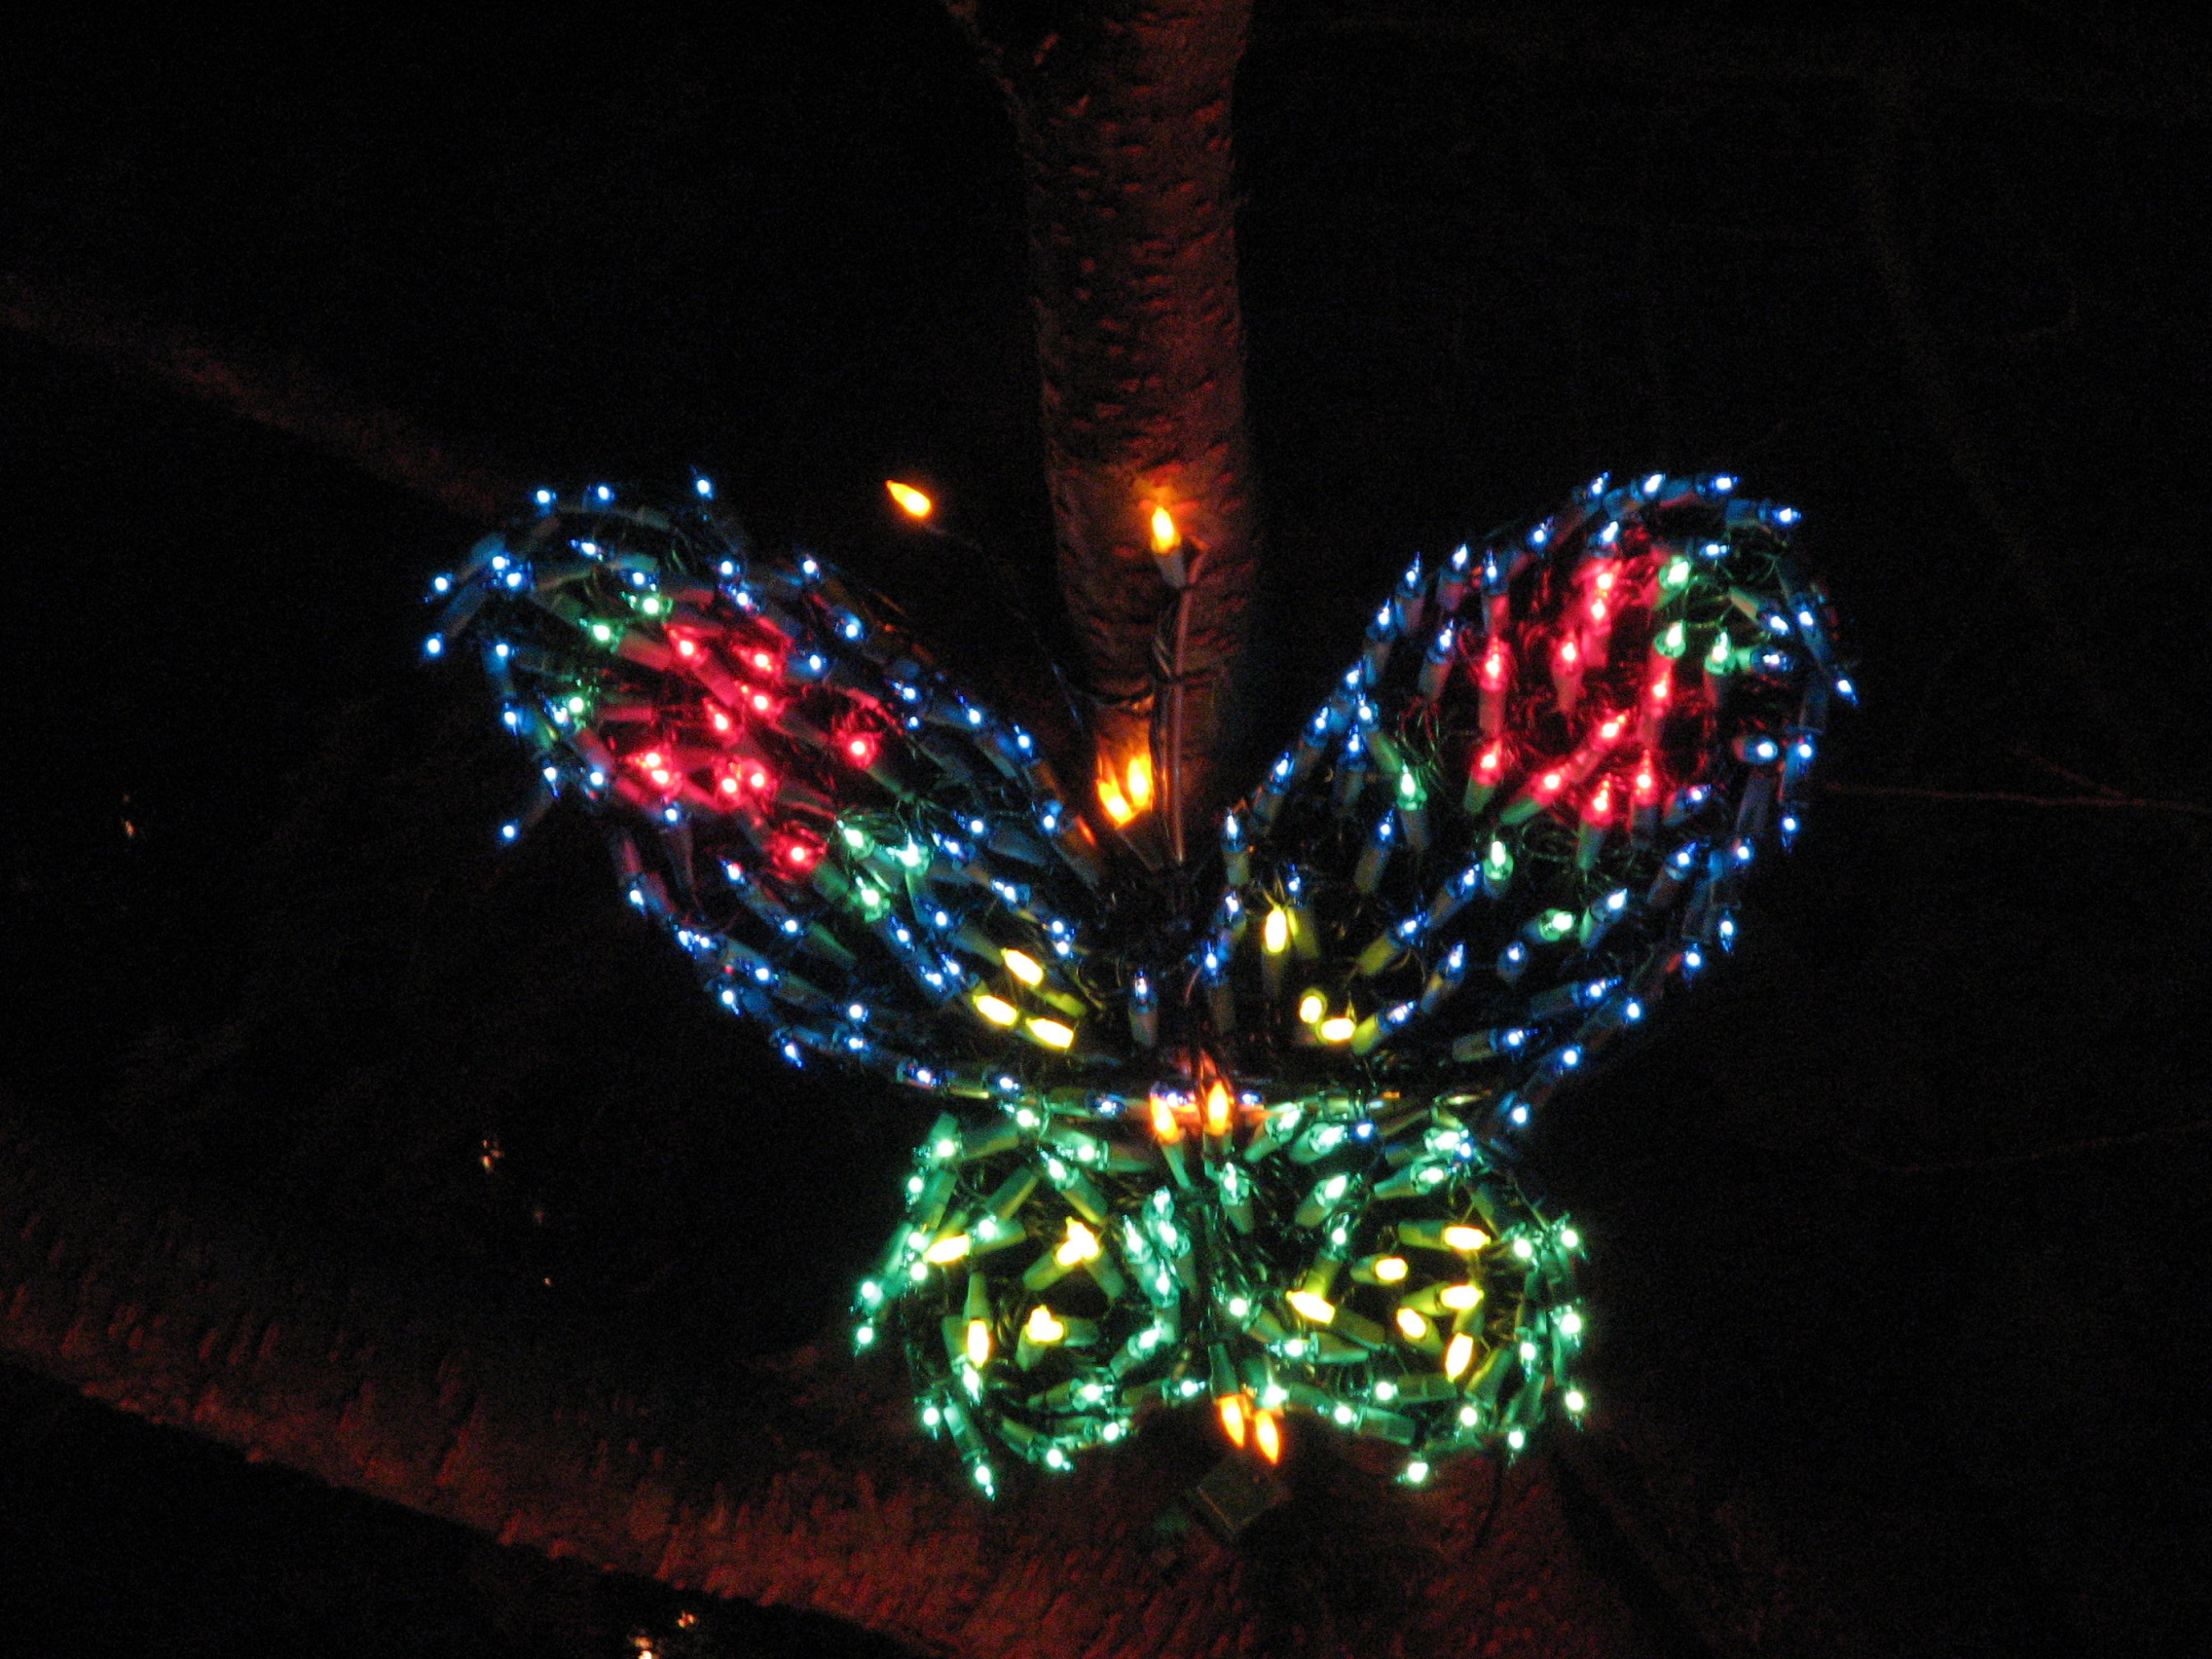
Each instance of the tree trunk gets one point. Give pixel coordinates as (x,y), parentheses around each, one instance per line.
(802,1481)
(806,1482)
(1121,112)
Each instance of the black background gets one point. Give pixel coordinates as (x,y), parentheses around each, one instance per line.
(1895,1225)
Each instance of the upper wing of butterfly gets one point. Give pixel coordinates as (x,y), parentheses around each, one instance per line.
(853,851)
(1530,807)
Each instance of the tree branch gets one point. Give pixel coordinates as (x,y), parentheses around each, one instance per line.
(285,395)
(2148,80)
(801,1480)
(2009,797)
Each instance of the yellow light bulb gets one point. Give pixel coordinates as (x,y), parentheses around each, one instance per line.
(1166,537)
(911,501)
(1465,1238)
(1338,1030)
(978,1341)
(1311,1007)
(1415,1327)
(947,1250)
(1456,1354)
(1461,1296)
(1274,932)
(1080,1245)
(1051,1033)
(1043,1329)
(997,1010)
(1389,1270)
(1318,1308)
(1022,965)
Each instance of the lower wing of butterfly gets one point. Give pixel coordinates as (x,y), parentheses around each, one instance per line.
(1061,1271)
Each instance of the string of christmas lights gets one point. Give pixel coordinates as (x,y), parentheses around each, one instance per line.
(1257,1155)
(1529,809)
(1364,1260)
(853,851)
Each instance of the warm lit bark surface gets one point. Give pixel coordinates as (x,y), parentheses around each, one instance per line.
(800,1482)
(1122,111)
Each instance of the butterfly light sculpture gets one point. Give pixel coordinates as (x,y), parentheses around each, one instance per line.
(1257,1153)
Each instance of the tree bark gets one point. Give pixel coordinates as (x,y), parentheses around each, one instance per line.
(284,395)
(1121,112)
(802,1481)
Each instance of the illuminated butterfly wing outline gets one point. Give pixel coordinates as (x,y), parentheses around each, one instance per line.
(854,852)
(1529,810)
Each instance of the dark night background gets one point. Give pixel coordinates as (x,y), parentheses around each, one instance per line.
(1897,1225)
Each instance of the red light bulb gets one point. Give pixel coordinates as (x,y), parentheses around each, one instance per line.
(1494,666)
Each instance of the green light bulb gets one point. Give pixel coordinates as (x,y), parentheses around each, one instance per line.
(1497,863)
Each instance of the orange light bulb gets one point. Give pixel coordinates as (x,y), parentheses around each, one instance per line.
(1163,1123)
(1116,803)
(1137,780)
(1266,1435)
(1220,1110)
(1166,537)
(1231,1408)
